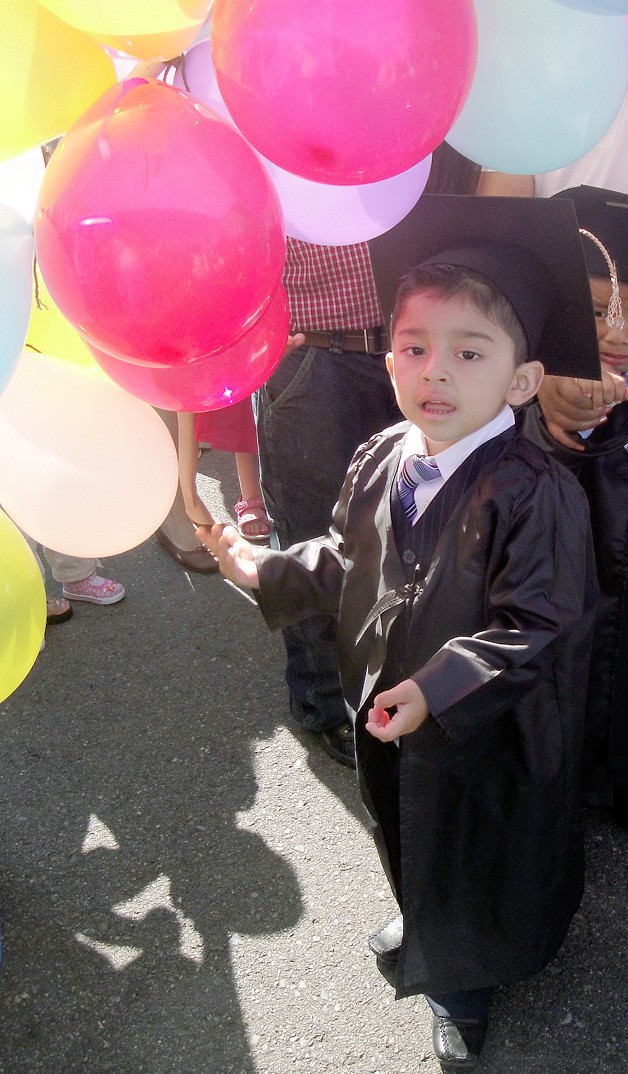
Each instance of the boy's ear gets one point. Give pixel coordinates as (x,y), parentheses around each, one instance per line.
(525,383)
(389,363)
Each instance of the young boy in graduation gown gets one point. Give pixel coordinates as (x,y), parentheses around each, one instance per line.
(464,603)
(591,423)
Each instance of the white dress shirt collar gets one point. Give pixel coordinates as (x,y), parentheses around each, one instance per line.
(452,457)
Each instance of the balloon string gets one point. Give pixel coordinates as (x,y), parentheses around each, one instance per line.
(40,305)
(614,316)
(179,66)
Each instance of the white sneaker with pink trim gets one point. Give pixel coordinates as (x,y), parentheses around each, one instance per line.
(94,589)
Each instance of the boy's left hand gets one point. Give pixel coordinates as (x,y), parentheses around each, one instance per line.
(411,712)
(233,552)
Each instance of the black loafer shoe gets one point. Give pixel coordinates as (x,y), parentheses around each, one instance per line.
(458,1043)
(339,742)
(386,943)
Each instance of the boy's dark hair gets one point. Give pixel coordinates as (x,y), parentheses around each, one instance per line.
(445,281)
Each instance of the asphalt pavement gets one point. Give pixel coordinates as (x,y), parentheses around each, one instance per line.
(187,881)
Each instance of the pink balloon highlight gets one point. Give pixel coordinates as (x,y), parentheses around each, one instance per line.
(158,232)
(211,383)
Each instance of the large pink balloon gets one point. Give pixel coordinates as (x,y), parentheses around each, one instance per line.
(211,383)
(158,232)
(344,91)
(322,213)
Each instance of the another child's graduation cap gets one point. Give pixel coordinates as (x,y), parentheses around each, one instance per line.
(605,214)
(529,248)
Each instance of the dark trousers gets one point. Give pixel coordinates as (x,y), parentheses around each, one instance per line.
(475,1003)
(311,415)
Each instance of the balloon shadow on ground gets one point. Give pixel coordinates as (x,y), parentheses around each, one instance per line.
(124,869)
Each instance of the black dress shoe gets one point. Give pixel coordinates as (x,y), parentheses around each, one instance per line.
(386,943)
(458,1043)
(339,742)
(194,559)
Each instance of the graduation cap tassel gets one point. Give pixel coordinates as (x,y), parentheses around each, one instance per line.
(615,316)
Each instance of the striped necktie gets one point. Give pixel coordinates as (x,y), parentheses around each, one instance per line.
(416,468)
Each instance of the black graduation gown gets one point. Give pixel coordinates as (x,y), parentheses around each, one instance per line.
(602,470)
(477,815)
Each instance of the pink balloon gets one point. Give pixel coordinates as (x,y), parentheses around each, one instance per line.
(344,91)
(211,383)
(158,232)
(322,213)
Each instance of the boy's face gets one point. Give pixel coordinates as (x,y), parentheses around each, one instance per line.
(613,342)
(453,369)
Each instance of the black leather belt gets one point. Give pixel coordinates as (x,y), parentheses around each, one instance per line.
(368,340)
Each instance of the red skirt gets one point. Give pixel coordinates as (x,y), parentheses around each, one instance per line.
(229,429)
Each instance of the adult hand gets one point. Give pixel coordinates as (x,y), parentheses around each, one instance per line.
(233,552)
(411,711)
(297,340)
(572,405)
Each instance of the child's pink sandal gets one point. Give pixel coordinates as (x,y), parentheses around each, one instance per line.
(252,519)
(94,589)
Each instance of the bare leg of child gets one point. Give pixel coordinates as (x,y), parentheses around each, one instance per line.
(188,457)
(250,510)
(176,533)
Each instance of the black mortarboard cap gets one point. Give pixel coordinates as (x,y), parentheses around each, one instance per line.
(605,214)
(529,248)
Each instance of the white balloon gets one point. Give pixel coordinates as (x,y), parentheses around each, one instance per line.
(16,287)
(20,180)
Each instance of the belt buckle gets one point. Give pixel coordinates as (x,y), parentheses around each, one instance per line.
(336,340)
(374,340)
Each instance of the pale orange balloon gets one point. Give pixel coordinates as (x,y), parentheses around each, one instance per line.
(50,74)
(85,468)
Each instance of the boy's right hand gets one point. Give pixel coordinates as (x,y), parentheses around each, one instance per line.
(411,710)
(233,552)
(571,405)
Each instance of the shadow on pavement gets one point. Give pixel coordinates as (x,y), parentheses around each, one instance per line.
(129,866)
(126,758)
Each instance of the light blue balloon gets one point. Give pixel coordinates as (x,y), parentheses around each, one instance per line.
(16,288)
(548,84)
(598,7)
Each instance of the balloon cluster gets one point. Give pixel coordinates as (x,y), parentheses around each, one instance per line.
(159,228)
(160,221)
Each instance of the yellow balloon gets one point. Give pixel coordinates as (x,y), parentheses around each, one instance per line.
(162,46)
(50,333)
(130,18)
(22,607)
(50,74)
